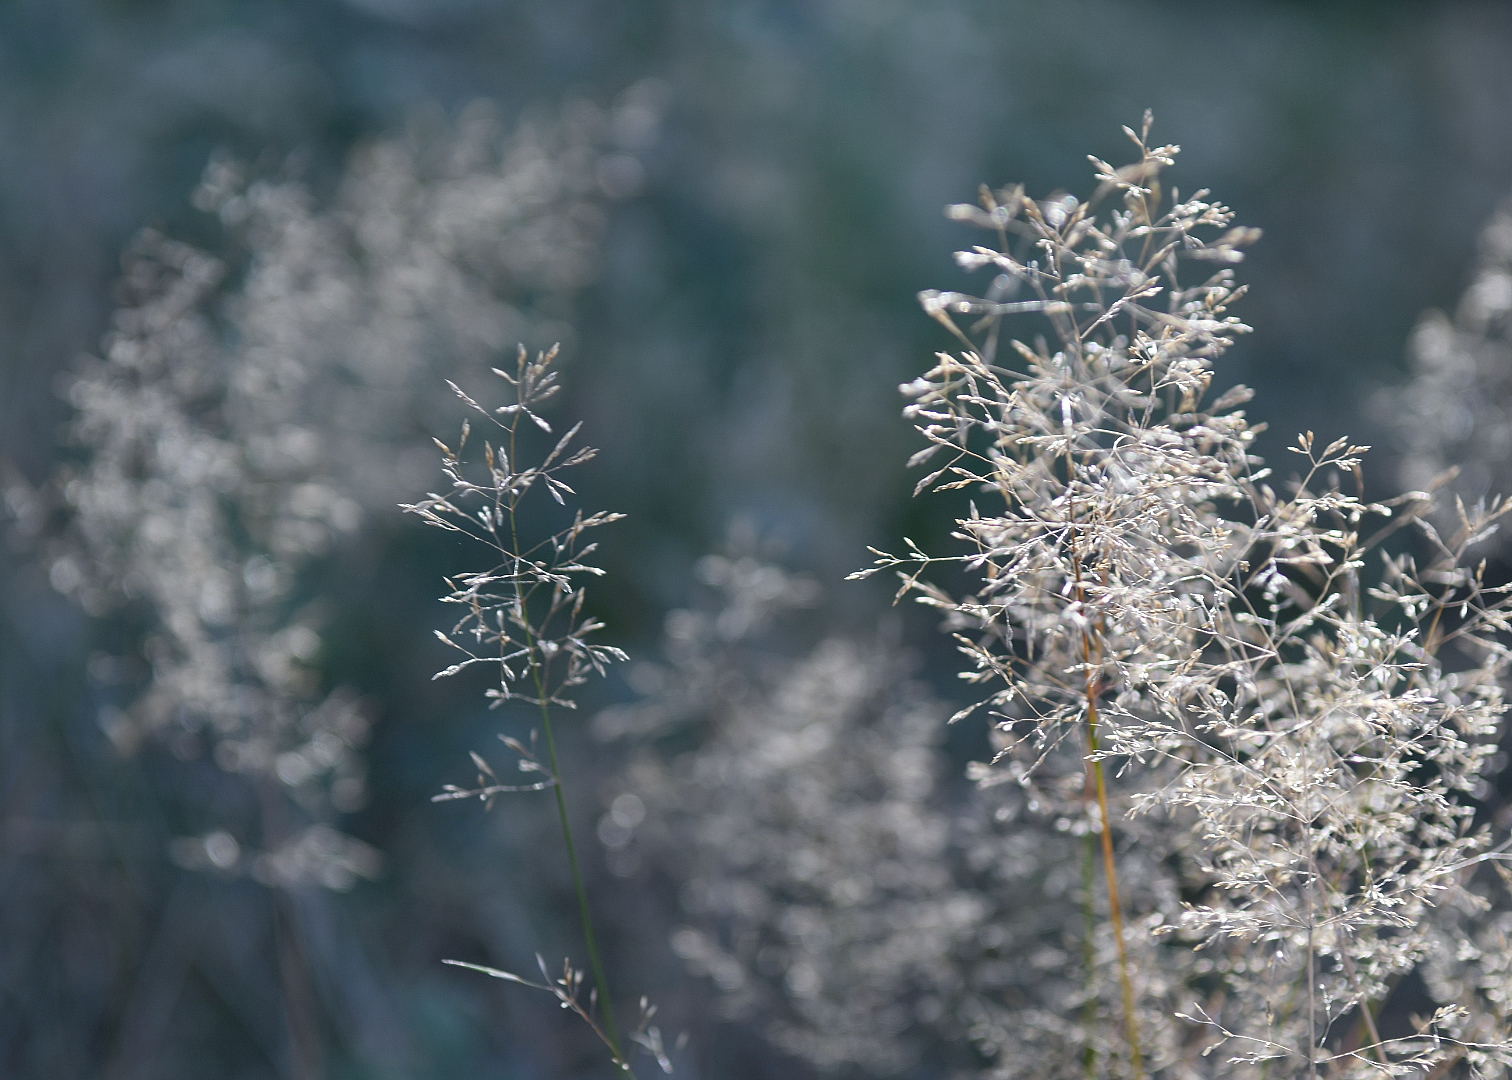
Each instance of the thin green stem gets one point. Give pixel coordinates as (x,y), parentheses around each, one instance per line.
(585,914)
(611,1029)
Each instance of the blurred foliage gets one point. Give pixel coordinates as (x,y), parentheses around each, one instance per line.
(736,357)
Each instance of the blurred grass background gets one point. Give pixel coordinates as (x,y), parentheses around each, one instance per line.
(736,359)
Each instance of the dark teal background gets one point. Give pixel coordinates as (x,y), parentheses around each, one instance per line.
(737,357)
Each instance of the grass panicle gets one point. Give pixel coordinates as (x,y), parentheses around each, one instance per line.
(524,617)
(1299,711)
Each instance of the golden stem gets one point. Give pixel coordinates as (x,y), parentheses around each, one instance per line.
(1105,827)
(1110,867)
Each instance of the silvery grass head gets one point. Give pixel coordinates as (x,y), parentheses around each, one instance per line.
(1159,633)
(180,521)
(243,423)
(234,423)
(797,804)
(524,615)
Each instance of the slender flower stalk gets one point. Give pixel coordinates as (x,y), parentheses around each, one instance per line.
(524,617)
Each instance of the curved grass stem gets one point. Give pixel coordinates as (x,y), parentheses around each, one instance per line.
(611,1029)
(585,913)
